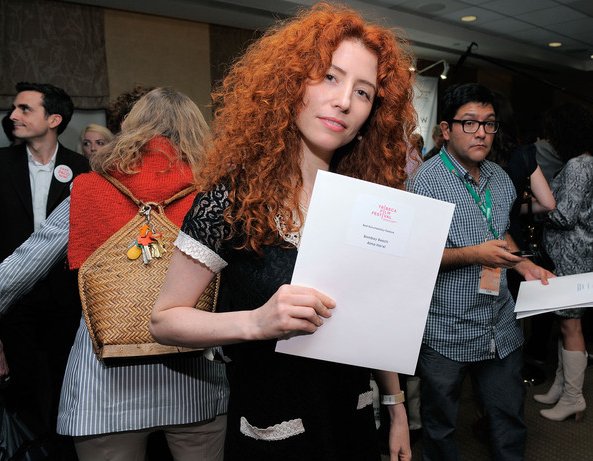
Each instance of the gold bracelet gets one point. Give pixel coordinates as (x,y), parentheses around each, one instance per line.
(393,399)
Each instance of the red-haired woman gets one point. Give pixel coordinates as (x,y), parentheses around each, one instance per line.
(324,91)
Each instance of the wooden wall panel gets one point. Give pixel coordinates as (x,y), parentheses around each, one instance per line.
(156,51)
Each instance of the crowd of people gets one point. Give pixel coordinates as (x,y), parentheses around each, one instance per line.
(325,90)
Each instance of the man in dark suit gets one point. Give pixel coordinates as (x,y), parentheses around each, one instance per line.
(37,331)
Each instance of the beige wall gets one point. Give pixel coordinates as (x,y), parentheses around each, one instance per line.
(155,51)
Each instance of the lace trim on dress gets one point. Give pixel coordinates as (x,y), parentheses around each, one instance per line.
(281,431)
(199,251)
(291,237)
(364,400)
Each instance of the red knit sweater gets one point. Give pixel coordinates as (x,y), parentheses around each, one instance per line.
(98,210)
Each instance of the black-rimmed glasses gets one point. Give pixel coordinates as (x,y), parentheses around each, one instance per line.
(472,126)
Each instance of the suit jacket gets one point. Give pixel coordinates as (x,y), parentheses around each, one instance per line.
(15,192)
(16,205)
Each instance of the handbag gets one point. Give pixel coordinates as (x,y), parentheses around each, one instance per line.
(533,231)
(17,442)
(121,280)
(532,228)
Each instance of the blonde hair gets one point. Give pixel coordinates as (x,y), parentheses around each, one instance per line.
(102,130)
(161,112)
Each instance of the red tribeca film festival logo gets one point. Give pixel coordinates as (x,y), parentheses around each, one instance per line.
(385,213)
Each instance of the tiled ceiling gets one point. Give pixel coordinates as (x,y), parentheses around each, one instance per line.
(534,23)
(515,31)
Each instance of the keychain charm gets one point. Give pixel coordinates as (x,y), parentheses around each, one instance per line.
(148,244)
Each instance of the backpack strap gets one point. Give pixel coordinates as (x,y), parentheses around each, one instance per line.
(182,193)
(124,190)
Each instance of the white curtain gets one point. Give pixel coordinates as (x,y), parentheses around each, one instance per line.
(425,103)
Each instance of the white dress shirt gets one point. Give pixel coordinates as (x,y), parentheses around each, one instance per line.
(40,176)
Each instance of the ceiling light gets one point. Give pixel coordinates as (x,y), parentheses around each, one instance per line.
(469,18)
(443,73)
(554,44)
(445,70)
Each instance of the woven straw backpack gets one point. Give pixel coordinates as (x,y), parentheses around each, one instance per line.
(118,293)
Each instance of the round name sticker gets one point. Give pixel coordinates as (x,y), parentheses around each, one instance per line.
(63,173)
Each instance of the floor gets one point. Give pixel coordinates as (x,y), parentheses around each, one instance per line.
(546,440)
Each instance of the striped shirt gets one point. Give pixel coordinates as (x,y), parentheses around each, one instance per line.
(97,398)
(463,324)
(33,260)
(138,394)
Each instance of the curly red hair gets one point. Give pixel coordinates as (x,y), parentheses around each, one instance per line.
(256,149)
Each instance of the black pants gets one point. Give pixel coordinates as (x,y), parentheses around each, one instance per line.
(500,389)
(37,340)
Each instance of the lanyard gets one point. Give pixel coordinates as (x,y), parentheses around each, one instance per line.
(485,205)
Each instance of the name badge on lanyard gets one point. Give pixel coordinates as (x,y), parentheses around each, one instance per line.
(489,276)
(490,281)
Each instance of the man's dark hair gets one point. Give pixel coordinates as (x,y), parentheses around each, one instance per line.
(458,95)
(55,101)
(119,109)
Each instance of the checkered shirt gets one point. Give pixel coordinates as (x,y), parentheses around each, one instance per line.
(461,322)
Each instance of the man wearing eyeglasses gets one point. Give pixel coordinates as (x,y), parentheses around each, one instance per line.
(471,327)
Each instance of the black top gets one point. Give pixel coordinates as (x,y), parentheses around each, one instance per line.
(281,407)
(520,167)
